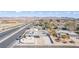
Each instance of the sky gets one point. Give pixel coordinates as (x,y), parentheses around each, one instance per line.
(73,14)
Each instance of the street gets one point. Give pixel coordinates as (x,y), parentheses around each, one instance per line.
(9,39)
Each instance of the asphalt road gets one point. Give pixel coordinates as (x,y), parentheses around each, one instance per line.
(10,40)
(6,33)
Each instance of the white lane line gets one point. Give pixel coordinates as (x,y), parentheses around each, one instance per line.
(8,29)
(12,34)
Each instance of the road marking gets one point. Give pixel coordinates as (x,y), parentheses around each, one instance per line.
(12,34)
(8,29)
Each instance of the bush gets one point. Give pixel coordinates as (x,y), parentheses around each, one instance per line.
(64,36)
(54,33)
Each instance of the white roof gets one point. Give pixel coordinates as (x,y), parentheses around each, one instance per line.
(65,31)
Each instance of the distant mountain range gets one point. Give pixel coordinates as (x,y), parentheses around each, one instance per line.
(38,18)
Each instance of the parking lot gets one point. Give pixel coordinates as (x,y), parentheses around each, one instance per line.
(34,36)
